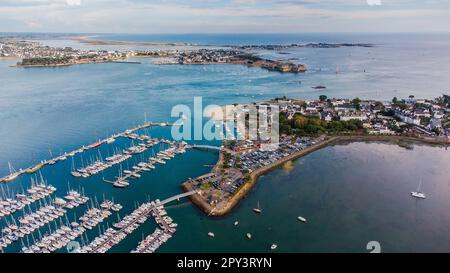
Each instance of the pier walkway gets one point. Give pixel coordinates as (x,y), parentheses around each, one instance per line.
(214,148)
(177,197)
(208,147)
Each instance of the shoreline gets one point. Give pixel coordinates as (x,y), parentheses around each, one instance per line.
(62,64)
(232,203)
(90,41)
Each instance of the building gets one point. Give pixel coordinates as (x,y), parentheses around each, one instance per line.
(381,131)
(349,116)
(407,117)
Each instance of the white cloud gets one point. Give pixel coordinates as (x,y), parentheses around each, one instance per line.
(374,2)
(177,16)
(73,2)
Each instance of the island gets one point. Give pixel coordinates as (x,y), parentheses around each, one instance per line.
(308,45)
(220,56)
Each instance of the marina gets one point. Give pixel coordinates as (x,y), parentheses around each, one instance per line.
(10,203)
(99,165)
(68,232)
(122,180)
(124,227)
(47,211)
(95,167)
(165,231)
(152,242)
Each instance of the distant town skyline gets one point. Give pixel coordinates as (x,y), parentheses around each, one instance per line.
(222,16)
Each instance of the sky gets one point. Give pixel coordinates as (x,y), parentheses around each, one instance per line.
(224,16)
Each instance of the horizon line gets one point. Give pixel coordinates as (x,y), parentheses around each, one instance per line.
(227,33)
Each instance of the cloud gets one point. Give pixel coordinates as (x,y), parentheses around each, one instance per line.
(374,2)
(34,3)
(151,16)
(73,2)
(34,24)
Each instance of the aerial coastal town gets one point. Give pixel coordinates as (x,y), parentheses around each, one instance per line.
(34,54)
(304,126)
(308,125)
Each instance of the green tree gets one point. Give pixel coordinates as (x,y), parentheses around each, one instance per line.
(322,97)
(357,103)
(286,129)
(300,122)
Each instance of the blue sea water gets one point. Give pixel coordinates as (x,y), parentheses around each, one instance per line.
(53,110)
(399,64)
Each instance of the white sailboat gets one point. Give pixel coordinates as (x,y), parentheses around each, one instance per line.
(12,174)
(418,193)
(257,209)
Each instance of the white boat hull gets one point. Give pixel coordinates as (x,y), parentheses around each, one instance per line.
(418,195)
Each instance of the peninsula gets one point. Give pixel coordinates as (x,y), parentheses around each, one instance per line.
(220,56)
(92,41)
(34,54)
(310,125)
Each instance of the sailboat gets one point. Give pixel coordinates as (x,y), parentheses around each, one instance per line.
(110,140)
(12,174)
(257,209)
(418,193)
(74,172)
